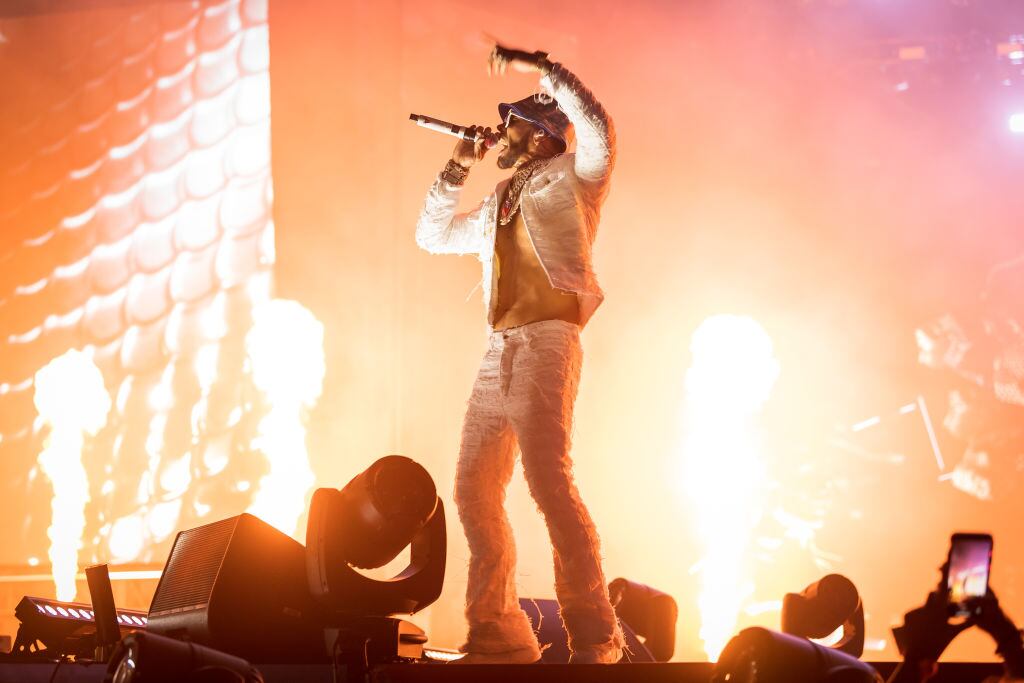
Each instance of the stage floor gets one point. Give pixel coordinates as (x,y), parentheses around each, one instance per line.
(441,673)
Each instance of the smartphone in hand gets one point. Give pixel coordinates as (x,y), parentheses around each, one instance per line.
(967,571)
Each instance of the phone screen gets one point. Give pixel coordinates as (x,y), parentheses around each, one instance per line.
(970,557)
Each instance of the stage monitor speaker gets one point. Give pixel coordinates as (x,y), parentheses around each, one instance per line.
(554,642)
(239,585)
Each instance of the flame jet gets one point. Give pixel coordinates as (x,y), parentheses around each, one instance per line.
(286,353)
(72,400)
(731,377)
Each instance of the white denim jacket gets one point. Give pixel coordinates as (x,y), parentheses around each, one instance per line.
(560,205)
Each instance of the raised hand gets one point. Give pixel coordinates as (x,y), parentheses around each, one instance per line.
(993,621)
(502,57)
(927,631)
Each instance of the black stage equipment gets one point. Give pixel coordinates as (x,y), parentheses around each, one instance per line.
(390,505)
(149,658)
(823,607)
(758,655)
(54,628)
(239,585)
(245,588)
(104,612)
(554,642)
(649,612)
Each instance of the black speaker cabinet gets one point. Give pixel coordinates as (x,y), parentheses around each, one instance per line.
(239,585)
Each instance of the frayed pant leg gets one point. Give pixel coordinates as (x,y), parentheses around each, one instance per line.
(486,461)
(540,408)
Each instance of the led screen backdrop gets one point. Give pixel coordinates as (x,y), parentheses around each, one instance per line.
(135,224)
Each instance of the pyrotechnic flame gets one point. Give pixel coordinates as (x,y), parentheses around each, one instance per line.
(731,377)
(127,538)
(71,398)
(286,352)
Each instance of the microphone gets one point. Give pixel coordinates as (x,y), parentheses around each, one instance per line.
(452,129)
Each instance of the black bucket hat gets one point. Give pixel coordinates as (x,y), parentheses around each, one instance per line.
(541,110)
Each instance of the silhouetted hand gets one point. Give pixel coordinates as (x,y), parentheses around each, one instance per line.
(993,621)
(925,634)
(927,631)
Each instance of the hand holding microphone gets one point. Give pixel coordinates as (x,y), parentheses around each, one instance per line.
(469,151)
(474,141)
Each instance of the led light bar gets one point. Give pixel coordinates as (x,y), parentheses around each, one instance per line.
(77,611)
(65,627)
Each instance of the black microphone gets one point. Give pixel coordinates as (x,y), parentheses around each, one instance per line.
(452,129)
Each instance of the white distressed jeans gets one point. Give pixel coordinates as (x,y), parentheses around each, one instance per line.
(524,393)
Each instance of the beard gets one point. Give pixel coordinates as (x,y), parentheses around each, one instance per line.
(512,153)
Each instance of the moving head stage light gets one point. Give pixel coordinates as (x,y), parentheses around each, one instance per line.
(824,607)
(391,505)
(366,525)
(650,612)
(149,658)
(758,655)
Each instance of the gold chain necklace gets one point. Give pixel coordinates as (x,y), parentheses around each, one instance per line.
(514,191)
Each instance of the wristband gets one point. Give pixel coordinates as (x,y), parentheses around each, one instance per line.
(455,173)
(543,63)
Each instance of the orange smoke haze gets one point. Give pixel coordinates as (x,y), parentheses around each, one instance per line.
(766,168)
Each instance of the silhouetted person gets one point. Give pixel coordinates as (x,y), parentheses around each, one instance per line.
(927,631)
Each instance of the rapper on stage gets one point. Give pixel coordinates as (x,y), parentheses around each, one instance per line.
(533,236)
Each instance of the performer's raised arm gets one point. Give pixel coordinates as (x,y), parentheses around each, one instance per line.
(595,133)
(440,230)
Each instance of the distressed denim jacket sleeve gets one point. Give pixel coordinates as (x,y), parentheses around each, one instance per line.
(595,133)
(440,230)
